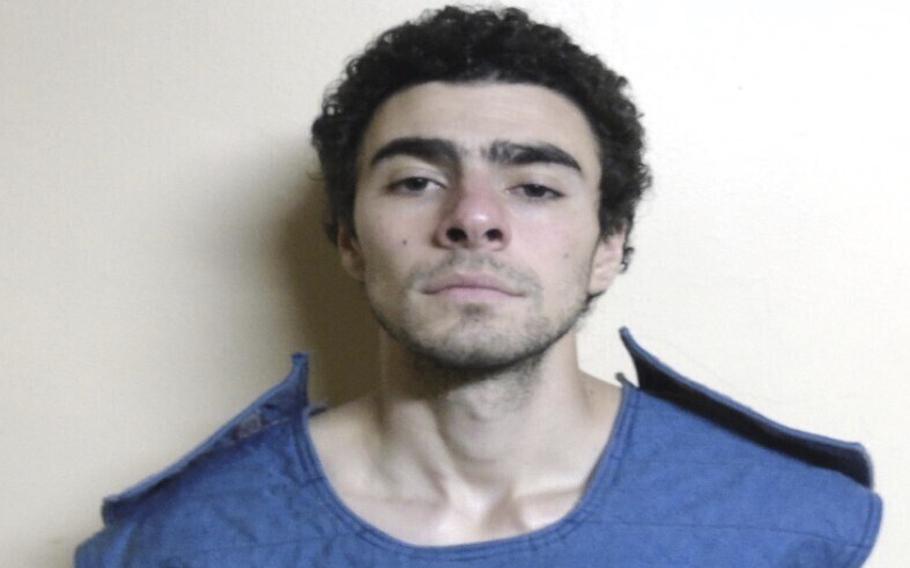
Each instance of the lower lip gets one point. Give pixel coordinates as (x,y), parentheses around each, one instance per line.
(473,294)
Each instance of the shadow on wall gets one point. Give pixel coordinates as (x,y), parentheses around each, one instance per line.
(320,309)
(331,310)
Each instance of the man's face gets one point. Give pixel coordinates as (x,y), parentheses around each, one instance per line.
(476,217)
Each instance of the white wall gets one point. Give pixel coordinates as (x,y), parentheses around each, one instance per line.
(160,256)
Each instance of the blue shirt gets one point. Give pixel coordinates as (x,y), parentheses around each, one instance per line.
(688,478)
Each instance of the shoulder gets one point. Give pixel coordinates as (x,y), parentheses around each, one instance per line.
(736,468)
(226,492)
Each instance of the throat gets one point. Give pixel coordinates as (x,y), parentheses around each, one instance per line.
(479,418)
(489,399)
(498,387)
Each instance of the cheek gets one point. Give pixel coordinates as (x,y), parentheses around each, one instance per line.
(562,258)
(560,245)
(386,251)
(388,221)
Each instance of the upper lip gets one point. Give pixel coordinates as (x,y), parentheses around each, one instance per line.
(469,281)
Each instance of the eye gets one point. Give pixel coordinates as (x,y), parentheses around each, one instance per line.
(537,192)
(413,185)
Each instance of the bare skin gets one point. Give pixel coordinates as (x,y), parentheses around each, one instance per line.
(484,426)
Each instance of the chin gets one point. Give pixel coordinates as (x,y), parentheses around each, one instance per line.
(476,341)
(480,350)
(479,360)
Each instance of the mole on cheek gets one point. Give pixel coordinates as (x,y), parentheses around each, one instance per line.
(404,243)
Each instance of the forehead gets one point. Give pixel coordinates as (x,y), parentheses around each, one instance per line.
(474,115)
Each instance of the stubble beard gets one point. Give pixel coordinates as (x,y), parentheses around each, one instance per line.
(470,351)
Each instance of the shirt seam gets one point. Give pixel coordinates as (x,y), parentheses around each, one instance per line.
(830,539)
(870,533)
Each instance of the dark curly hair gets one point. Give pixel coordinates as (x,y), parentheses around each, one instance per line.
(461,45)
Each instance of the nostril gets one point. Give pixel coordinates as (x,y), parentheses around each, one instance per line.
(456,235)
(494,235)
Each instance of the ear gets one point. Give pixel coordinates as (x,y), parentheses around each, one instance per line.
(607,262)
(350,252)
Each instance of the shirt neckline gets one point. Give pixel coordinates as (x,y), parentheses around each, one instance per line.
(603,474)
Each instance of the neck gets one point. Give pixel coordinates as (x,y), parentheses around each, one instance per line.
(487,432)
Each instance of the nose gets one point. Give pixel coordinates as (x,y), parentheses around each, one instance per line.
(474,219)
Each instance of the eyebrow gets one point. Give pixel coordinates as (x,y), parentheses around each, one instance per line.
(514,154)
(440,150)
(435,150)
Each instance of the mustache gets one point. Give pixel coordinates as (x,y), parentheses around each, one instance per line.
(459,261)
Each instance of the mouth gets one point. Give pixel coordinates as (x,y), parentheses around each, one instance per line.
(471,287)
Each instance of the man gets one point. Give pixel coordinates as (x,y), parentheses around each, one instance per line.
(482,174)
